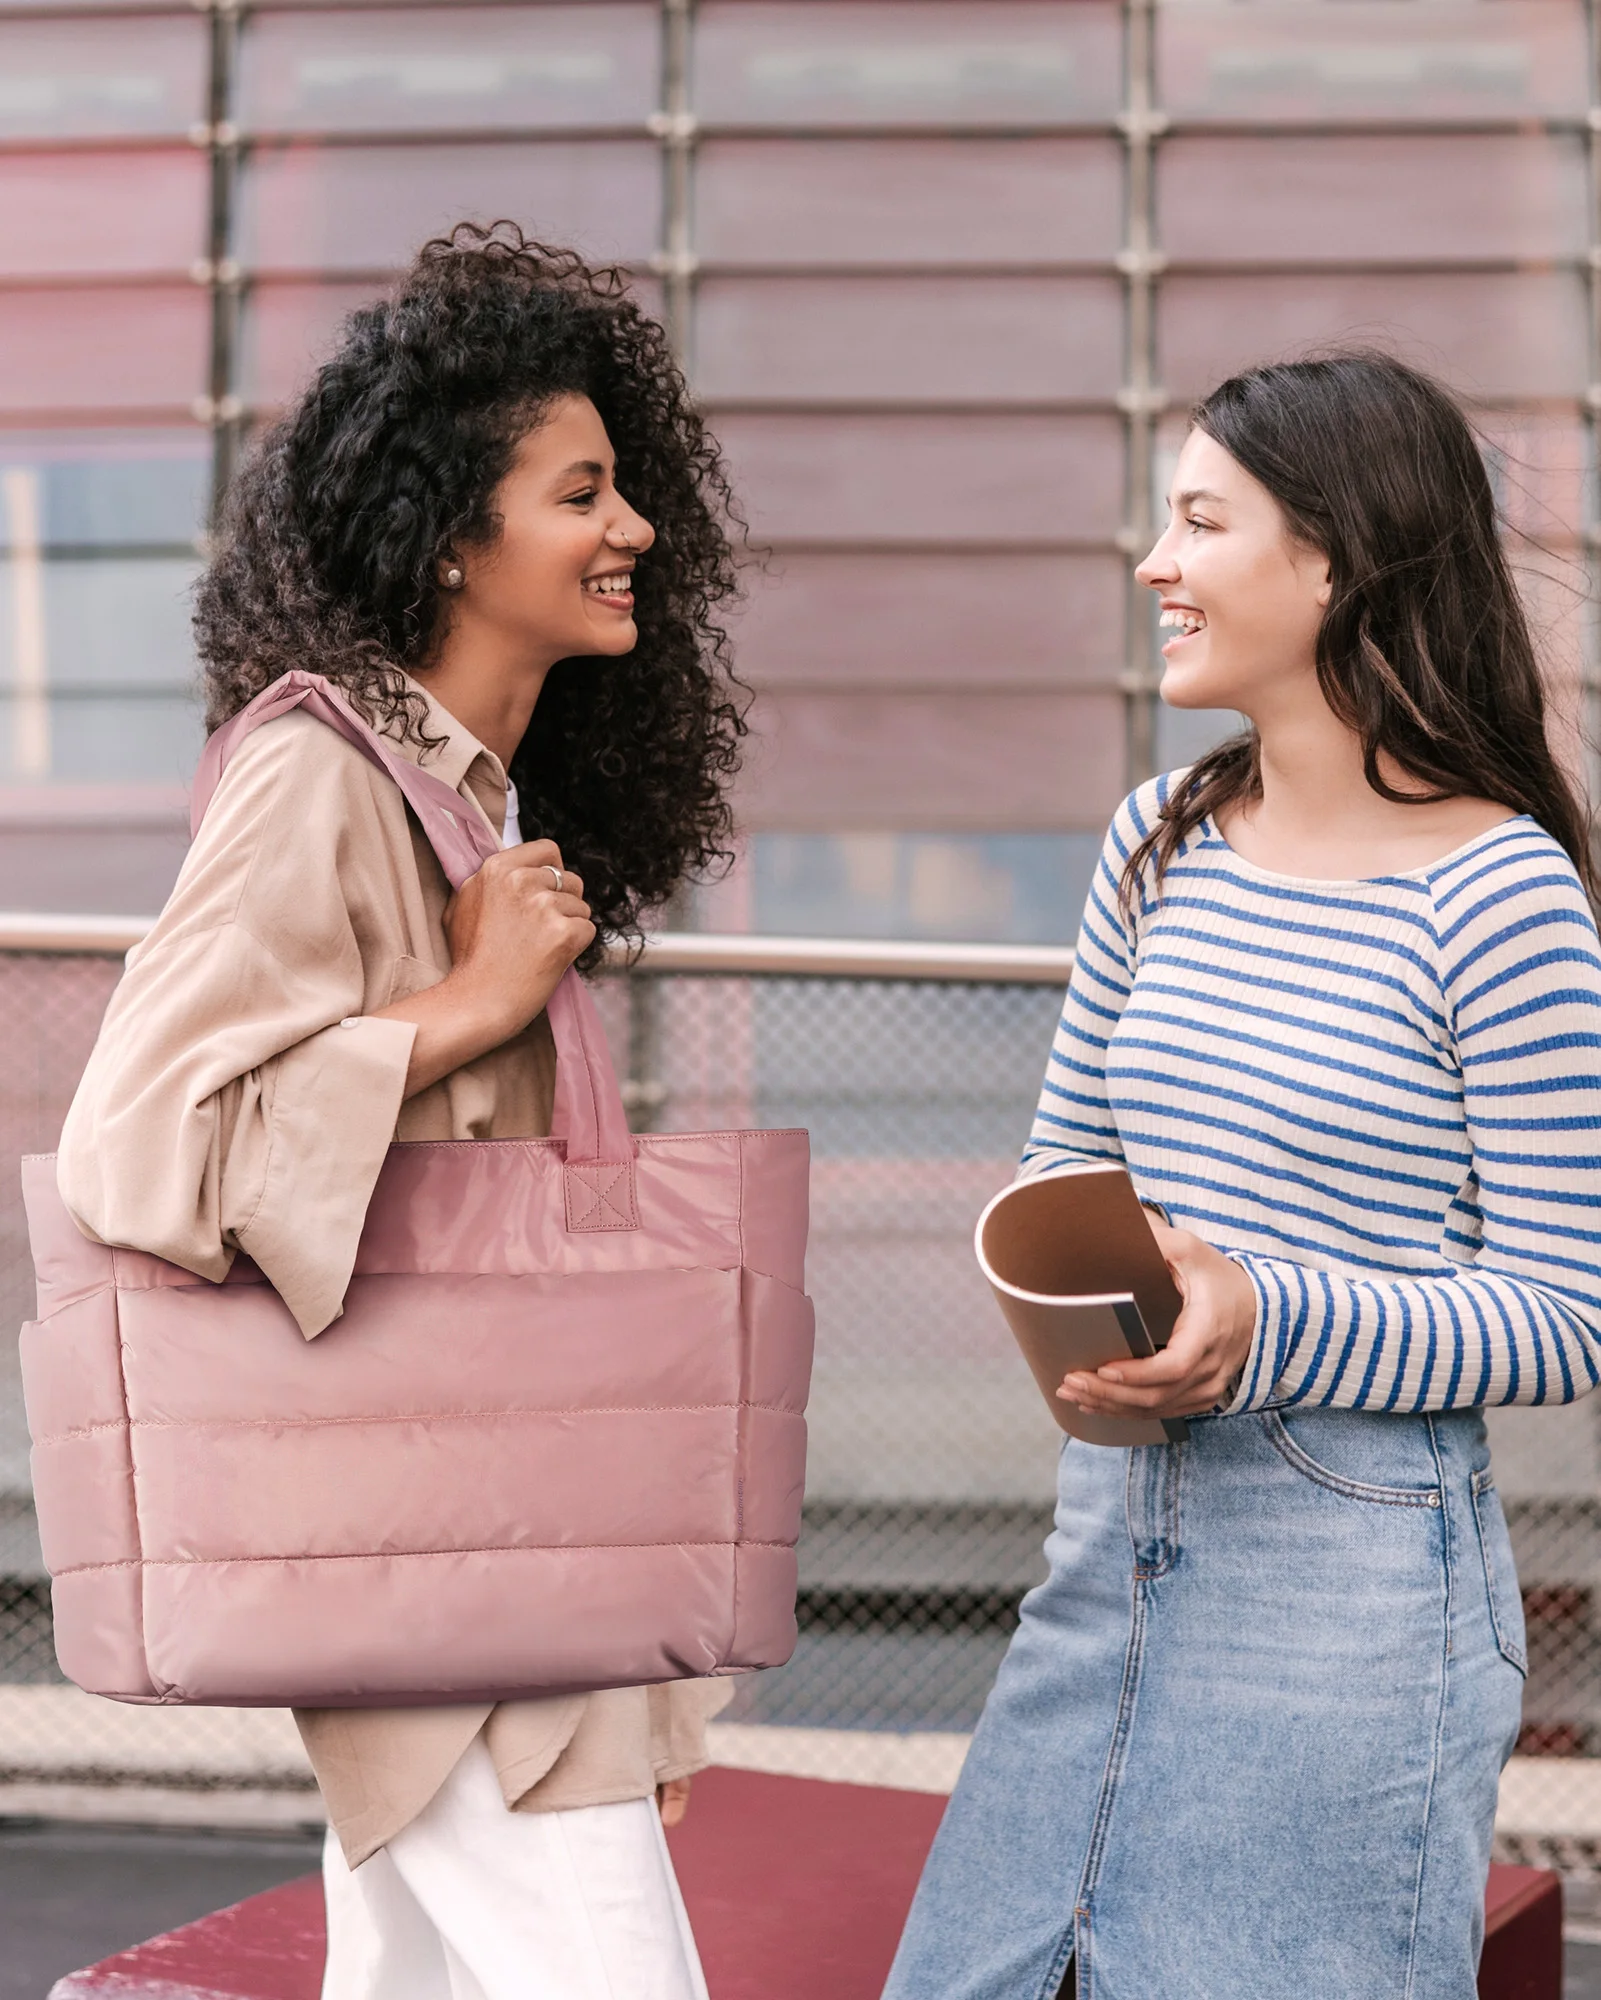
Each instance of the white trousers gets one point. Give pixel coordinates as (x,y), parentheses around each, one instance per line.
(472,1902)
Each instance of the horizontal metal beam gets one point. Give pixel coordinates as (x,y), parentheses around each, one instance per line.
(25,930)
(852,958)
(665,952)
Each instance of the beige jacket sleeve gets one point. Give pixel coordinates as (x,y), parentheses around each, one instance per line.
(239,1040)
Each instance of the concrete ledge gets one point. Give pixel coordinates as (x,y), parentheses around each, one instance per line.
(60,1735)
(69,1755)
(1551,1798)
(245,1808)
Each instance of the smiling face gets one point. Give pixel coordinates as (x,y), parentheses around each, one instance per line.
(1241,598)
(557,579)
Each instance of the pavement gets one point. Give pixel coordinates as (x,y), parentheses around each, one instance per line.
(73,1894)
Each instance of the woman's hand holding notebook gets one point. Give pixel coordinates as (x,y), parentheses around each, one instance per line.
(1082,1282)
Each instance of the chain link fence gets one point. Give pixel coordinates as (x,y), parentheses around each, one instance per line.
(931,1464)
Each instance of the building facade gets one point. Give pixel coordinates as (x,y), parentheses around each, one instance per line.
(944,275)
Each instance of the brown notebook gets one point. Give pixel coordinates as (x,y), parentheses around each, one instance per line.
(1078,1275)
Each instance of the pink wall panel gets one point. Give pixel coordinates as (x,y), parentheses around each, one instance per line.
(913,62)
(290,325)
(288,328)
(1492,334)
(985,761)
(68,79)
(883,202)
(953,621)
(104,353)
(958,478)
(309,209)
(909,340)
(1558,597)
(1391,199)
(459,68)
(1373,59)
(92,6)
(101,214)
(1539,466)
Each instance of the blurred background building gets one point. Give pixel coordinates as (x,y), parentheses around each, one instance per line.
(944,274)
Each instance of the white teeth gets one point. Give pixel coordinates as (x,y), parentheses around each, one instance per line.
(608,586)
(1185,621)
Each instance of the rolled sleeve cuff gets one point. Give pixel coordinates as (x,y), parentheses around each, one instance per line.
(1265,1362)
(336,1098)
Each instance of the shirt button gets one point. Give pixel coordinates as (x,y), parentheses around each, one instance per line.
(351,1021)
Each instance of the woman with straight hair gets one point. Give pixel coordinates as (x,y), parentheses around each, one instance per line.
(495,525)
(1337,1005)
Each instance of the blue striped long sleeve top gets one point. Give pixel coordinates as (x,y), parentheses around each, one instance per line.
(1381,1098)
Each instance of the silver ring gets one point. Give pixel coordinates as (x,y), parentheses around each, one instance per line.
(556,875)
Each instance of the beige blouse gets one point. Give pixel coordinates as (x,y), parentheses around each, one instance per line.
(241,1096)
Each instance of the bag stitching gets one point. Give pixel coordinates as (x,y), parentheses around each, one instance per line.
(407,1555)
(409,1417)
(646,1139)
(443,1271)
(158,1686)
(601,1204)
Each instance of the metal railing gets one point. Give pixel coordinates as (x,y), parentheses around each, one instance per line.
(930,1482)
(664,951)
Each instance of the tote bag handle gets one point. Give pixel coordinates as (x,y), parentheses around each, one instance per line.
(588,1116)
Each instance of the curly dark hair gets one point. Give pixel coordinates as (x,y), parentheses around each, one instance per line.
(328,549)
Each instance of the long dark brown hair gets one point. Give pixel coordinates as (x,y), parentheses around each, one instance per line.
(1424,649)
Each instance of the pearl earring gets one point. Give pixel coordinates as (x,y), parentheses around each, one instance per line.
(454,577)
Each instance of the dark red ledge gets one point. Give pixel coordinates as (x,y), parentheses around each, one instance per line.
(797,1890)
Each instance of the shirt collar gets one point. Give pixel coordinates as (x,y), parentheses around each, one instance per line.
(461,760)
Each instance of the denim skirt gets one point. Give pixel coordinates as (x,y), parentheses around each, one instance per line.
(1245,1743)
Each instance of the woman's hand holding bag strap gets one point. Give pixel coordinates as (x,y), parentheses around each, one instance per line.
(555,1442)
(589,1115)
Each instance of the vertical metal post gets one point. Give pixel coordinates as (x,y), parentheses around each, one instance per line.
(677,128)
(644,1093)
(1140,399)
(220,406)
(1590,658)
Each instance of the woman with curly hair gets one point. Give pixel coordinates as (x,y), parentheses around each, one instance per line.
(495,525)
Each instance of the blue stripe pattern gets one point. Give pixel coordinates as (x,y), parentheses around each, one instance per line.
(1382,1099)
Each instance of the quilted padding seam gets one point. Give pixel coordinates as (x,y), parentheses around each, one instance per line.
(742,1441)
(124,1284)
(414,1417)
(157,1686)
(406,1555)
(648,1139)
(739,1208)
(77,1299)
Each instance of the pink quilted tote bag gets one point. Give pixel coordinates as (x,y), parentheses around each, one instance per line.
(555,1442)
